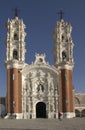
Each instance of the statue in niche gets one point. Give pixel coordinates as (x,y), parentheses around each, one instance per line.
(40,88)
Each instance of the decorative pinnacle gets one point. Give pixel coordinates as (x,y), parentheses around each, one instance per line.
(61,13)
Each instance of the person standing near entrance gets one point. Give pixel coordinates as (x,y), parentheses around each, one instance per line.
(60,116)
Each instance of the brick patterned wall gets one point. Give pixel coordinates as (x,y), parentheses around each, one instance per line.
(66,91)
(14,91)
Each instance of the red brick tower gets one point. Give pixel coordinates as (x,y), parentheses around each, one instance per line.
(63,57)
(15,59)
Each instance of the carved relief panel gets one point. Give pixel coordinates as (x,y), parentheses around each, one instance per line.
(39,85)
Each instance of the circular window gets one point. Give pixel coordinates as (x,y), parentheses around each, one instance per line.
(40,60)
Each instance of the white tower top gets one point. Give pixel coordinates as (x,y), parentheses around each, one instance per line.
(15,42)
(63,45)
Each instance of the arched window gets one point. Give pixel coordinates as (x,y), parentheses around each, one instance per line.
(15,54)
(64,56)
(15,36)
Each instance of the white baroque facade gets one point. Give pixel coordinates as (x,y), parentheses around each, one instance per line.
(39,89)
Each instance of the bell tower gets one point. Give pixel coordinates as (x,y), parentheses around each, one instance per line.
(15,60)
(63,60)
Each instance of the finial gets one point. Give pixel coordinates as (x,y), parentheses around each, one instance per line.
(61,13)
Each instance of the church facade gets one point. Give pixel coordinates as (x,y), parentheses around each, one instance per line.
(39,90)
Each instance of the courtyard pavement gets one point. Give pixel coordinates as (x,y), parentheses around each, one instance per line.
(43,124)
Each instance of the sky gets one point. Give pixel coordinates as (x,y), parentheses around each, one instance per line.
(40,17)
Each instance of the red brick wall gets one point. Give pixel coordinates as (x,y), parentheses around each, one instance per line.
(66,91)
(14,91)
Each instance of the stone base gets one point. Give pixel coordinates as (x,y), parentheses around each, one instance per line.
(68,115)
(19,115)
(27,116)
(13,116)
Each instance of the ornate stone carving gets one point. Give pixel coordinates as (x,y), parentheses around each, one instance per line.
(63,45)
(39,86)
(15,39)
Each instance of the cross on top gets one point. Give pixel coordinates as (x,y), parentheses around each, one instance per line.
(16,10)
(61,13)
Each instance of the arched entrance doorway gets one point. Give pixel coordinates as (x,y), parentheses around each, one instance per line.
(40,110)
